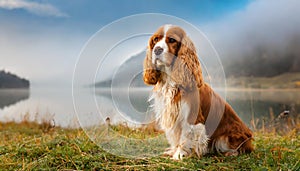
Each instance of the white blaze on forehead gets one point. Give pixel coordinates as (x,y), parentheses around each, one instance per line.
(162,43)
(166,28)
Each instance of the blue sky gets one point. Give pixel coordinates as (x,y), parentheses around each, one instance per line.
(87,16)
(41,39)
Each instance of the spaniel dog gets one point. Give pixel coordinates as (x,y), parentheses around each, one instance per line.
(185,105)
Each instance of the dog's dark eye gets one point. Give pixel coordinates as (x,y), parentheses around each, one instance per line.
(155,39)
(172,40)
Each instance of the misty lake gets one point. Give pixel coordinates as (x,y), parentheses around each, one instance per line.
(93,107)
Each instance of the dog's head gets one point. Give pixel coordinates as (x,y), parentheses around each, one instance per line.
(171,53)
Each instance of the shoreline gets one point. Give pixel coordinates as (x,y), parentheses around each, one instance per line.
(261,89)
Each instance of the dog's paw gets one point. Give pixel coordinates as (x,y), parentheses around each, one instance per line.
(231,153)
(169,151)
(179,154)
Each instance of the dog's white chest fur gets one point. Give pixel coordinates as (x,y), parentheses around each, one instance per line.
(165,108)
(172,115)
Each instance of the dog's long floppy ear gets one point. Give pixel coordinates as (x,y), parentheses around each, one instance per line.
(151,75)
(186,69)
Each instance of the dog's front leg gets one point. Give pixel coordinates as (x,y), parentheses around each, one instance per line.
(173,136)
(193,140)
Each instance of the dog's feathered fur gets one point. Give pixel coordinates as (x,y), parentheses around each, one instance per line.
(183,101)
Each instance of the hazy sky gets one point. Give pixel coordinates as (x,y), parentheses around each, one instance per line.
(41,40)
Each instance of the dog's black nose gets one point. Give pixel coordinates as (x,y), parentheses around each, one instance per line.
(158,50)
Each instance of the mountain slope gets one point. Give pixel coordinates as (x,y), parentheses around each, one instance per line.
(8,80)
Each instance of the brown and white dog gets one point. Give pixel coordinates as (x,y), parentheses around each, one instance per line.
(183,102)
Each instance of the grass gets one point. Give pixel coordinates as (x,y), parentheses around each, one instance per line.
(37,146)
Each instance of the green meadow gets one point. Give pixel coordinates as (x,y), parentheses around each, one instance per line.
(40,146)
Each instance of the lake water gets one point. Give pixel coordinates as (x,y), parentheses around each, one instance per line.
(93,107)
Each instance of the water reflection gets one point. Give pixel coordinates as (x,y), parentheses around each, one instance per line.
(10,97)
(263,103)
(132,106)
(249,104)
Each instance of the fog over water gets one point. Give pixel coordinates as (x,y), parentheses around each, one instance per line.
(261,40)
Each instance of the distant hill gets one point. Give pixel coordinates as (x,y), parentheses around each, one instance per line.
(129,72)
(265,61)
(284,81)
(105,83)
(262,63)
(9,80)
